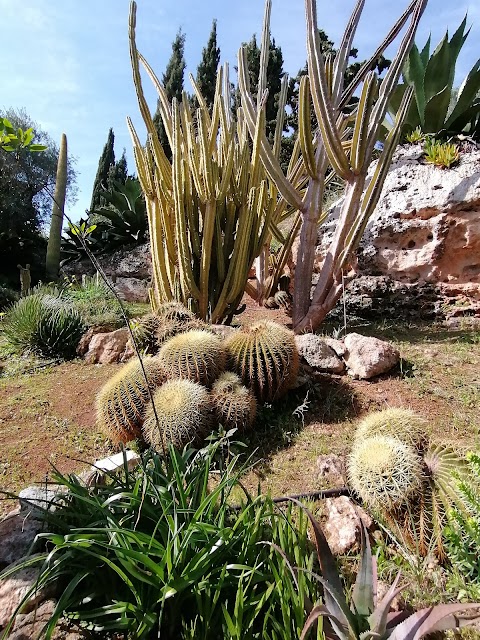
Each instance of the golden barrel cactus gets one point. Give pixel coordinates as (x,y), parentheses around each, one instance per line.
(184,412)
(121,403)
(265,357)
(403,424)
(235,405)
(195,355)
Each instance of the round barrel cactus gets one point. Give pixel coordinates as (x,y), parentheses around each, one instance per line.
(235,405)
(403,424)
(121,402)
(184,413)
(265,357)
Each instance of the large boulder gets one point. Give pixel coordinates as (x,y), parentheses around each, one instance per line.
(368,357)
(318,354)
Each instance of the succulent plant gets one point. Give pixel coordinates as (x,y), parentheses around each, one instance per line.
(235,405)
(385,472)
(174,311)
(184,412)
(195,355)
(403,424)
(265,357)
(121,403)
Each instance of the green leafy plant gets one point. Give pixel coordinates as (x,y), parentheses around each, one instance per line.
(45,324)
(159,552)
(361,615)
(94,301)
(438,108)
(463,531)
(13,139)
(441,154)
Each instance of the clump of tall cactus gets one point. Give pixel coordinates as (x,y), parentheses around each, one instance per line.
(183,415)
(265,357)
(195,355)
(235,405)
(122,401)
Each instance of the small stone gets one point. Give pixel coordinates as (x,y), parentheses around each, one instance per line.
(14,589)
(367,357)
(342,527)
(35,499)
(318,354)
(331,470)
(17,532)
(106,348)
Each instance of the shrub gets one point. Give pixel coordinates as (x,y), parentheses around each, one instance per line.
(44,324)
(158,552)
(95,302)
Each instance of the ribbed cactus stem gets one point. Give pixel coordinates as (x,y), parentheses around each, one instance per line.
(52,265)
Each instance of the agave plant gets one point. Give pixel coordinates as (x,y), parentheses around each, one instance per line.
(362,616)
(438,108)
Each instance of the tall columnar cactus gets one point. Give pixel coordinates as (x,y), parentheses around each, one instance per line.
(332,147)
(235,405)
(211,209)
(121,403)
(385,472)
(52,265)
(196,355)
(403,424)
(184,413)
(265,357)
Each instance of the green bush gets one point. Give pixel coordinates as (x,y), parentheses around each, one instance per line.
(94,302)
(158,552)
(44,324)
(463,532)
(7,297)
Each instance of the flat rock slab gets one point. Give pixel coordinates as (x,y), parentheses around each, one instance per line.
(368,357)
(318,354)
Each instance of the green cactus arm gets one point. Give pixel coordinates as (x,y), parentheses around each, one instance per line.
(360,129)
(322,101)
(343,54)
(305,128)
(54,240)
(282,101)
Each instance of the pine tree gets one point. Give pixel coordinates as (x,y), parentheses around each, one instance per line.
(207,69)
(173,82)
(107,160)
(118,172)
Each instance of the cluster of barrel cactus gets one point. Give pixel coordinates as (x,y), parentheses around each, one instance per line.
(195,379)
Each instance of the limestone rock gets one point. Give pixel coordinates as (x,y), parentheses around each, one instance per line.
(17,532)
(106,348)
(36,498)
(132,289)
(336,345)
(13,589)
(367,357)
(342,527)
(318,354)
(29,626)
(85,340)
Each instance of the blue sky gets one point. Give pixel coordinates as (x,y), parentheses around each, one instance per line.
(67,63)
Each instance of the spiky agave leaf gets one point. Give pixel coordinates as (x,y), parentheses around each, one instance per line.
(195,355)
(121,402)
(385,472)
(184,413)
(235,405)
(265,357)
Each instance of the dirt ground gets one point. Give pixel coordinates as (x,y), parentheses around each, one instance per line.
(47,416)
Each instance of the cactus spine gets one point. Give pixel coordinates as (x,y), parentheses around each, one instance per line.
(121,403)
(53,248)
(195,355)
(184,413)
(385,472)
(235,405)
(265,357)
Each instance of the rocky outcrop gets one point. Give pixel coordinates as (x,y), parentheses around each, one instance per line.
(421,246)
(128,268)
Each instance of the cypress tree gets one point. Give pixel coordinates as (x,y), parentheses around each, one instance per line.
(207,69)
(107,160)
(173,82)
(118,172)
